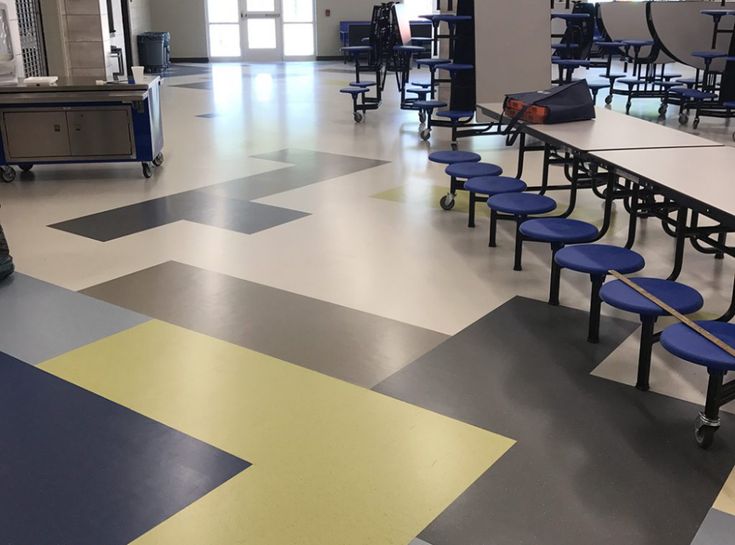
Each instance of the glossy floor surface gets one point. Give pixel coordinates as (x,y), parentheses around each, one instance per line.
(282,339)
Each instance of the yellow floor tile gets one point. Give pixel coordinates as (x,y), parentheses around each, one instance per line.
(726,500)
(332,463)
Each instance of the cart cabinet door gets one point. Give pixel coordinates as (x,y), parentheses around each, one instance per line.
(35,135)
(100,133)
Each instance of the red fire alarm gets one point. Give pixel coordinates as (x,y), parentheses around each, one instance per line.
(327,12)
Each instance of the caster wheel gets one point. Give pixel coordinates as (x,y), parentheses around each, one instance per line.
(8,174)
(733,136)
(358,117)
(696,123)
(683,119)
(158,161)
(608,100)
(455,146)
(627,108)
(447,202)
(704,431)
(662,111)
(26,167)
(422,117)
(147,170)
(425,135)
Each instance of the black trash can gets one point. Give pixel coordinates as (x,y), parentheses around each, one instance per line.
(154,51)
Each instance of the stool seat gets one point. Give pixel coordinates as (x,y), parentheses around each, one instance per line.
(599,259)
(357,49)
(559,230)
(564,46)
(730,104)
(598,84)
(717,12)
(694,94)
(571,62)
(420,92)
(455,67)
(680,297)
(708,54)
(495,185)
(455,114)
(609,45)
(353,90)
(567,16)
(669,84)
(430,104)
(408,49)
(522,204)
(362,84)
(612,76)
(687,81)
(689,345)
(450,18)
(423,84)
(670,76)
(451,157)
(638,43)
(431,62)
(466,171)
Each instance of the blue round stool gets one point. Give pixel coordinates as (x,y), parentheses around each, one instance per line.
(597,260)
(690,346)
(426,112)
(490,186)
(558,232)
(356,93)
(451,157)
(519,206)
(465,171)
(678,296)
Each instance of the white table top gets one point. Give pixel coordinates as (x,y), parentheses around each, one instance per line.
(706,175)
(609,131)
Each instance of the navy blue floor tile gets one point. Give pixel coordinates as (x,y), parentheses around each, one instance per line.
(78,469)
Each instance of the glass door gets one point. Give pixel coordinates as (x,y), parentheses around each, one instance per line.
(261,30)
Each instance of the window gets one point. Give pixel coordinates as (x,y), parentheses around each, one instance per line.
(224,28)
(298,28)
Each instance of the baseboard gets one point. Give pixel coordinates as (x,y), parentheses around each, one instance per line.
(330,58)
(191,59)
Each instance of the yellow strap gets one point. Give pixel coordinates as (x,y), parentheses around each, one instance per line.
(678,315)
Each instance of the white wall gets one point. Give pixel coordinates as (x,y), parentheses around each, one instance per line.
(140,21)
(327,28)
(186,20)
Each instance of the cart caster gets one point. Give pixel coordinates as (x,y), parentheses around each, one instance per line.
(8,174)
(683,119)
(158,161)
(358,117)
(425,135)
(608,99)
(25,167)
(662,110)
(696,123)
(447,202)
(455,146)
(422,117)
(147,170)
(704,431)
(627,107)
(733,136)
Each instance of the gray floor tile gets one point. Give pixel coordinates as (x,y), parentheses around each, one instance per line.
(718,529)
(309,167)
(39,321)
(354,346)
(596,462)
(226,205)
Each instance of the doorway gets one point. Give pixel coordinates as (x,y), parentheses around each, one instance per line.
(261,30)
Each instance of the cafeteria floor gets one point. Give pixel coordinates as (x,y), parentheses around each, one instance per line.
(281,339)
